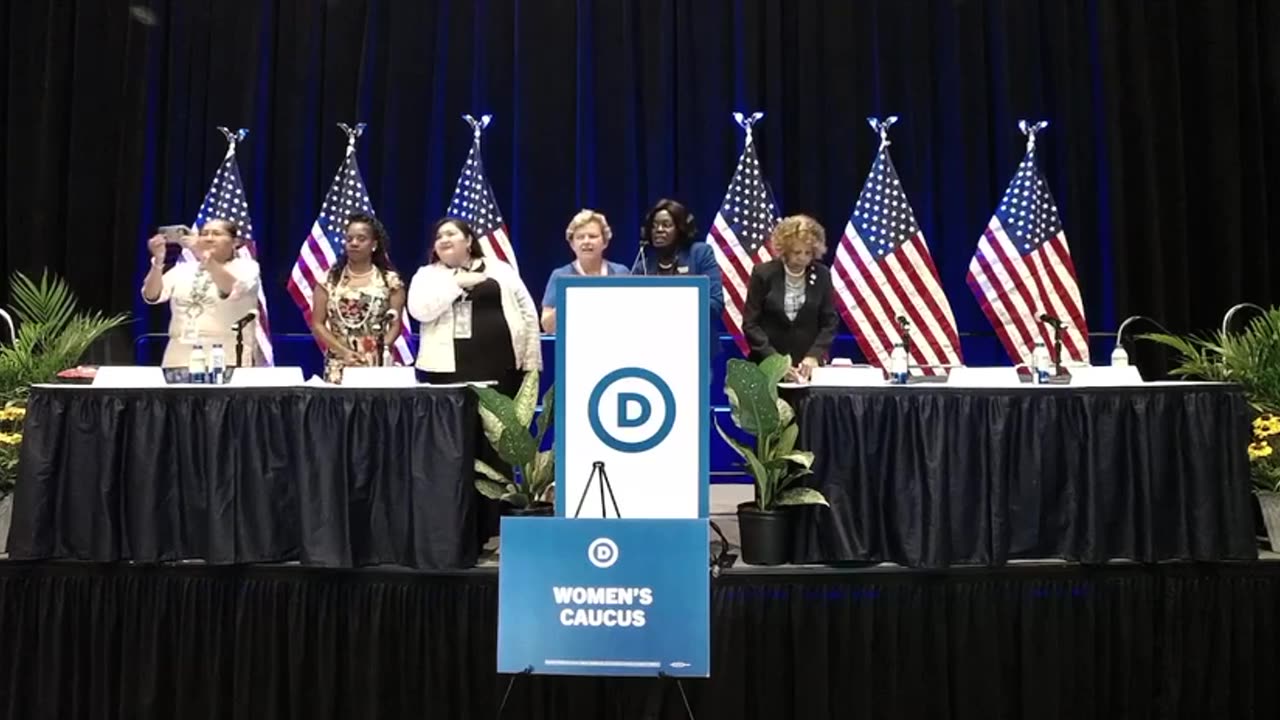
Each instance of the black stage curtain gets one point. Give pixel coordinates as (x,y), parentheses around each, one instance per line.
(1057,643)
(341,478)
(941,476)
(1159,148)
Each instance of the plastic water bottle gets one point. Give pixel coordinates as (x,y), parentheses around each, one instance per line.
(196,366)
(217,365)
(898,370)
(1041,363)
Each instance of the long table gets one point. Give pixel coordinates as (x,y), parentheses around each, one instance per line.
(324,476)
(931,476)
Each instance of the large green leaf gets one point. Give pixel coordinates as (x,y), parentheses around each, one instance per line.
(787,439)
(490,489)
(490,472)
(730,441)
(491,424)
(514,444)
(801,496)
(541,474)
(775,368)
(803,458)
(752,397)
(548,413)
(526,399)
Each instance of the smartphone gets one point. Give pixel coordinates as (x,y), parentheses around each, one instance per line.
(175,234)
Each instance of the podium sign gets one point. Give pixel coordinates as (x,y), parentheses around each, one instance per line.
(632,397)
(604,597)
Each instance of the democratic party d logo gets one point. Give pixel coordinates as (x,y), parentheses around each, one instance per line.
(602,552)
(634,425)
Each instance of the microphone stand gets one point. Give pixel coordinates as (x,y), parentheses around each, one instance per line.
(641,260)
(1057,348)
(240,344)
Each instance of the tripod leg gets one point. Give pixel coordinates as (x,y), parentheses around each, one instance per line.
(604,483)
(685,698)
(590,479)
(505,696)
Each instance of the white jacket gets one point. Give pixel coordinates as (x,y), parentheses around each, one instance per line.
(432,293)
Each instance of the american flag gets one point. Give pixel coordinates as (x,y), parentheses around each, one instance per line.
(740,233)
(1023,270)
(324,245)
(473,201)
(883,271)
(226,200)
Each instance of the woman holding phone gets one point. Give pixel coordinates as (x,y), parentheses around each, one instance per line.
(207,298)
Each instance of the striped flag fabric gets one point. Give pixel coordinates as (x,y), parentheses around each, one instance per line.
(1022,269)
(884,277)
(225,200)
(740,233)
(473,201)
(326,241)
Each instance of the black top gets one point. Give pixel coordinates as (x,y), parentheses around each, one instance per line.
(487,354)
(765,323)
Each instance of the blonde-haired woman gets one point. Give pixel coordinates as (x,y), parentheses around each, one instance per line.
(789,308)
(588,235)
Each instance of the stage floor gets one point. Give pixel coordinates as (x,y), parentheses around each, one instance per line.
(1043,639)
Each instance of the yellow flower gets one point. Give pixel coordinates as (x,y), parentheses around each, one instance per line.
(1259,450)
(1266,425)
(11,439)
(13,412)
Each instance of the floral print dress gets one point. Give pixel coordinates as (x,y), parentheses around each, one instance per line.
(356,314)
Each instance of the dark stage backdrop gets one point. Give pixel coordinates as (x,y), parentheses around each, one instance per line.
(1159,149)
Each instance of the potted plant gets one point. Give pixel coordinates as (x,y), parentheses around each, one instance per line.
(52,335)
(774,464)
(1251,359)
(506,421)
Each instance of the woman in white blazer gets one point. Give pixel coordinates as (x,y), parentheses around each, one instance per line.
(478,321)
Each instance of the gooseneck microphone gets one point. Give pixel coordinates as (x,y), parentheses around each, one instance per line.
(380,328)
(1052,321)
(1226,319)
(1057,325)
(239,327)
(905,326)
(1119,356)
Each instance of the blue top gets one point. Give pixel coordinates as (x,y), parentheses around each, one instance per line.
(549,297)
(697,259)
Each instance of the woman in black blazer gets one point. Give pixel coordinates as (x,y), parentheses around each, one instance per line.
(789,308)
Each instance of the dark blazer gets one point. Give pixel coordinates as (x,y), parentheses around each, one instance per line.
(766,325)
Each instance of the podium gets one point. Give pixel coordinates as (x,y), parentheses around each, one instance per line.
(619,585)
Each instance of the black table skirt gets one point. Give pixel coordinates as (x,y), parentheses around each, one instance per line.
(933,477)
(334,477)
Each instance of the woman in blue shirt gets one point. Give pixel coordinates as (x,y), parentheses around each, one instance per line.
(668,238)
(588,235)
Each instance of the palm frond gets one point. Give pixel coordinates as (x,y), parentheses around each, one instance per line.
(52,334)
(50,301)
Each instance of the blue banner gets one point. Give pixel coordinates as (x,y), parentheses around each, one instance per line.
(604,597)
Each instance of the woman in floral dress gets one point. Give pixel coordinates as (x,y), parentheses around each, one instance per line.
(360,302)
